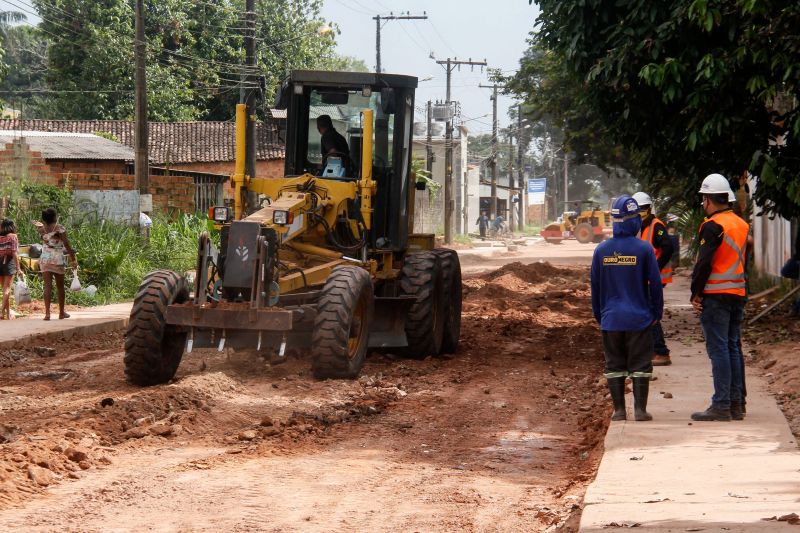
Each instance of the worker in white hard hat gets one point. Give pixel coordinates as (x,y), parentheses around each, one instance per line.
(718,293)
(654,231)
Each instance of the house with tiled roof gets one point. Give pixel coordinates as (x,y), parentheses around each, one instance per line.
(40,155)
(193,146)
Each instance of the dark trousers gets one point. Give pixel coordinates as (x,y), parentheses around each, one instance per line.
(482,230)
(628,353)
(659,344)
(721,319)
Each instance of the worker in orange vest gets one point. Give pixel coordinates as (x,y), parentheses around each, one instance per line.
(655,232)
(718,293)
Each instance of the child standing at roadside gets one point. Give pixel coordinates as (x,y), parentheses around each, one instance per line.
(9,263)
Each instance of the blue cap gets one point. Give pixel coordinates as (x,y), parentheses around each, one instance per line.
(624,208)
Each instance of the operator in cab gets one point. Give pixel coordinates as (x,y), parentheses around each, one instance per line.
(332,141)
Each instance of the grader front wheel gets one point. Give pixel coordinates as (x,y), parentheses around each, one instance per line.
(153,349)
(341,328)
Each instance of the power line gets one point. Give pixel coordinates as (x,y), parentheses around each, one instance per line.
(391,16)
(352,8)
(441,37)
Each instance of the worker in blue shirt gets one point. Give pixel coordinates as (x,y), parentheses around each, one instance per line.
(627,299)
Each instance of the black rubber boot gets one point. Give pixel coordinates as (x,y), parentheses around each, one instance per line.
(641,389)
(713,414)
(737,411)
(616,387)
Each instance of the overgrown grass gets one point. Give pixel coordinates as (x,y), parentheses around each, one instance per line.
(112,256)
(462,239)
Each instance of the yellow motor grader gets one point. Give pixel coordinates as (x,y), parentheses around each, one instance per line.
(326,263)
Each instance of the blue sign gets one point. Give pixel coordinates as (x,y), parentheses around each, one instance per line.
(536,191)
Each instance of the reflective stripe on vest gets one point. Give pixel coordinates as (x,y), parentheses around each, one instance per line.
(647,235)
(727,266)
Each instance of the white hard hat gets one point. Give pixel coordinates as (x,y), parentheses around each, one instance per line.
(731,197)
(643,199)
(715,184)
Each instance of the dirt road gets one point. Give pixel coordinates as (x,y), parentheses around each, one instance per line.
(504,436)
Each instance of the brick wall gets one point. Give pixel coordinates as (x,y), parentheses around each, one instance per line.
(86,166)
(272,168)
(17,162)
(170,193)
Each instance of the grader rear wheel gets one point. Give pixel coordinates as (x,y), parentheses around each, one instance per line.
(422,277)
(153,349)
(341,328)
(451,273)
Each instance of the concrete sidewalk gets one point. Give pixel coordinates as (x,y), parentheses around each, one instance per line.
(83,322)
(673,474)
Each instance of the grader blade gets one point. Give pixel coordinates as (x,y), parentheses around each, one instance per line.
(389,322)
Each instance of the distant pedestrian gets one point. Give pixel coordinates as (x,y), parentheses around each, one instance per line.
(627,299)
(718,293)
(52,261)
(483,224)
(655,232)
(9,263)
(497,224)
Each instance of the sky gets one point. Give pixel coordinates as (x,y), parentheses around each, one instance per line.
(464,29)
(460,29)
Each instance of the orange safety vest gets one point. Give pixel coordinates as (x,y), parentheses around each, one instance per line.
(647,235)
(727,266)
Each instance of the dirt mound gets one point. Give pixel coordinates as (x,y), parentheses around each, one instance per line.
(539,293)
(536,273)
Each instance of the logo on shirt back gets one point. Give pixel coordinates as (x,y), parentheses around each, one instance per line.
(617,259)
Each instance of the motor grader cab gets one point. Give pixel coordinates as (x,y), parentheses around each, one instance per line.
(585,222)
(325,263)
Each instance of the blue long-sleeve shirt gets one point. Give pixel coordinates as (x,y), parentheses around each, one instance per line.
(626,284)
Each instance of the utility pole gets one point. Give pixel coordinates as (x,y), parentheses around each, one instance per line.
(511,183)
(141,162)
(566,179)
(450,65)
(247,93)
(429,149)
(390,16)
(521,179)
(493,161)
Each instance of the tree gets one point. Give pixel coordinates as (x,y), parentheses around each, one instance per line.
(7,19)
(675,90)
(195,52)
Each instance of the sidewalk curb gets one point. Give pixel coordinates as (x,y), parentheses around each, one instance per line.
(67,333)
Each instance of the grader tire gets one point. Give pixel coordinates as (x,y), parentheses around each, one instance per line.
(584,233)
(153,349)
(451,271)
(341,328)
(422,277)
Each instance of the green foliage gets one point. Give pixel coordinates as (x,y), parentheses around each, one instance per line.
(345,64)
(107,135)
(194,55)
(113,257)
(422,176)
(675,90)
(26,58)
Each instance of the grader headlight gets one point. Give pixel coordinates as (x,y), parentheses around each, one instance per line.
(220,215)
(282,218)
